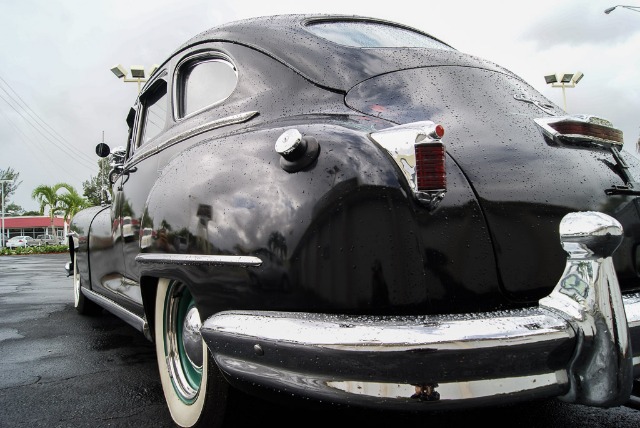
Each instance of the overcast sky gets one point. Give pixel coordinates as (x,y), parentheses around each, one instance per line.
(58,97)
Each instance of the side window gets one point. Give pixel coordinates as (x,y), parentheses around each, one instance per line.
(204,81)
(154,113)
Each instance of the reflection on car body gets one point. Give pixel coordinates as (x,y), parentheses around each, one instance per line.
(350,210)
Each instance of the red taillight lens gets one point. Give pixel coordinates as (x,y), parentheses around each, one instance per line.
(430,169)
(586,129)
(439,131)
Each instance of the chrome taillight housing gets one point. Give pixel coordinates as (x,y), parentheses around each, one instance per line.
(581,130)
(421,156)
(591,132)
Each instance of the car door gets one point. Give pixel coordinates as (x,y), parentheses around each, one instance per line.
(140,172)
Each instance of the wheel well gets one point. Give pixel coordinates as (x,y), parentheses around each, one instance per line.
(148,290)
(71,249)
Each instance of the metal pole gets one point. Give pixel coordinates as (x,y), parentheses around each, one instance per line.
(100,167)
(564,98)
(2,184)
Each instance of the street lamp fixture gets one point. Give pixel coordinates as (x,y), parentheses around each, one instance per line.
(567,80)
(2,185)
(611,9)
(137,73)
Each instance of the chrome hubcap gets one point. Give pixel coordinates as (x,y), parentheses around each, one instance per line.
(183,343)
(191,338)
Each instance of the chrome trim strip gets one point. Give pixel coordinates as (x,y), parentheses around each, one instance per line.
(129,317)
(197,259)
(576,345)
(547,108)
(214,124)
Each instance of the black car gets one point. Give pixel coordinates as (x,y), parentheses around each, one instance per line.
(352,211)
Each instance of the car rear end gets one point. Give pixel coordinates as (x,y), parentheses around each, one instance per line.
(515,228)
(527,163)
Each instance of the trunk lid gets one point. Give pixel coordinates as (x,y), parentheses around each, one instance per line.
(524,181)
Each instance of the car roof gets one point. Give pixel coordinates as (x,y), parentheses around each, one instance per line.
(328,64)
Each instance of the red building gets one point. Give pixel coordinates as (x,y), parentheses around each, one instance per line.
(34,226)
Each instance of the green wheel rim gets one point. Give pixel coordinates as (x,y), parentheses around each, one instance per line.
(186,376)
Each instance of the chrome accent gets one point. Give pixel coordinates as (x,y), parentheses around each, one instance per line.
(574,345)
(204,56)
(75,238)
(172,350)
(144,153)
(399,141)
(288,142)
(191,338)
(118,155)
(296,152)
(589,298)
(577,139)
(129,317)
(547,108)
(197,260)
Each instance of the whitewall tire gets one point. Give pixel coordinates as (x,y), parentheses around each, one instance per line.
(83,305)
(194,389)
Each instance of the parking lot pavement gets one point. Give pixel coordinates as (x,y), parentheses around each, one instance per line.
(60,369)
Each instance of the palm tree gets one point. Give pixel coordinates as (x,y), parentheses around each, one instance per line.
(70,203)
(47,196)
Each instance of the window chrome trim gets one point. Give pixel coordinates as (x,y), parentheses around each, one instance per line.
(177,85)
(140,107)
(214,124)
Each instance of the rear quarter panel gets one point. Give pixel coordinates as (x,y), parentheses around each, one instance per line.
(340,235)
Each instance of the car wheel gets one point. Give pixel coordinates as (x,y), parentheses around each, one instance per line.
(83,305)
(194,389)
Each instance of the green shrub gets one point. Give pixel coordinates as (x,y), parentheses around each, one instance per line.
(43,249)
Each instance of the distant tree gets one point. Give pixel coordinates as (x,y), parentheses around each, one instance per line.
(30,213)
(13,209)
(70,203)
(9,188)
(97,188)
(47,196)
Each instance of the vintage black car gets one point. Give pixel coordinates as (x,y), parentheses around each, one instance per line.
(350,210)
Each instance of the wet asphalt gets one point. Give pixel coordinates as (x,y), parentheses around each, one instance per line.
(61,369)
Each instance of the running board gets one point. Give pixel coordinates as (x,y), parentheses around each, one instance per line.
(126,315)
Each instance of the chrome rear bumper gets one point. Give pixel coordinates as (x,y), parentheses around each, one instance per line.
(576,344)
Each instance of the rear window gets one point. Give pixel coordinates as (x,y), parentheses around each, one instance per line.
(366,34)
(203,81)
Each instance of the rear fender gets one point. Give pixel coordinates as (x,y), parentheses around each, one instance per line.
(80,231)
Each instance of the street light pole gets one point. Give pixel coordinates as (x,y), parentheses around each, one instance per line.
(611,9)
(568,80)
(2,185)
(137,74)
